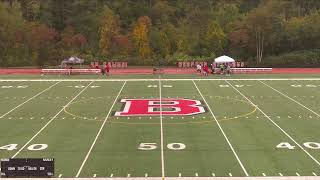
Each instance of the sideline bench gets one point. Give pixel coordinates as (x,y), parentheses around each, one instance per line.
(70,71)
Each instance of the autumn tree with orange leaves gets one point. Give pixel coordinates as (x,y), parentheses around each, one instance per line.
(140,36)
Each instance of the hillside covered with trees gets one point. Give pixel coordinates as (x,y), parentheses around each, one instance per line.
(146,32)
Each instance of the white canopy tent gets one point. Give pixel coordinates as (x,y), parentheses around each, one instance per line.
(224,59)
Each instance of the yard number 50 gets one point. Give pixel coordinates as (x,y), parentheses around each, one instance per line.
(153,146)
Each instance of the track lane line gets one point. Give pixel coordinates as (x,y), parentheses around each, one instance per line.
(50,120)
(99,132)
(222,131)
(274,123)
(290,98)
(29,99)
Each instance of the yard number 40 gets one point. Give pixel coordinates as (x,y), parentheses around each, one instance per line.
(152,146)
(310,145)
(33,147)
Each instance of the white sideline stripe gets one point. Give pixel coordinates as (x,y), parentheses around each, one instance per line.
(100,130)
(274,123)
(161,135)
(291,99)
(121,80)
(29,99)
(50,121)
(230,145)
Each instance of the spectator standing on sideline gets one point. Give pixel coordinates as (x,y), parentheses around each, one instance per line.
(199,68)
(228,70)
(205,70)
(107,69)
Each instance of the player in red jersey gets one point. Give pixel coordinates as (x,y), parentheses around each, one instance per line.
(107,69)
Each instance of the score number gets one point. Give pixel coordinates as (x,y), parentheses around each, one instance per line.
(153,146)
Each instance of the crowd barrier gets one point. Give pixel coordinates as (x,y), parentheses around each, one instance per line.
(70,71)
(251,70)
(191,64)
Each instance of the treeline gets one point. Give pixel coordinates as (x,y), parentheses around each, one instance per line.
(152,32)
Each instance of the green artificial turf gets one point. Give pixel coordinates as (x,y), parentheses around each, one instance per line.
(240,137)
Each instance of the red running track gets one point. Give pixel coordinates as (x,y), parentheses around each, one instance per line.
(168,71)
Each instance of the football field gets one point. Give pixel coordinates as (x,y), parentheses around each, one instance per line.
(161,127)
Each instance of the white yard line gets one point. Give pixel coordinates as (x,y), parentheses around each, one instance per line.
(51,120)
(225,136)
(274,123)
(29,99)
(155,79)
(100,130)
(291,99)
(161,132)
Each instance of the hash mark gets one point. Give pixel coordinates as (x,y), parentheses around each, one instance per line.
(263,174)
(146,175)
(60,175)
(129,175)
(213,174)
(230,174)
(314,174)
(95,175)
(111,175)
(280,174)
(197,174)
(297,174)
(179,174)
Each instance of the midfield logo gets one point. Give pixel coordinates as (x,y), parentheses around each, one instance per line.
(151,107)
